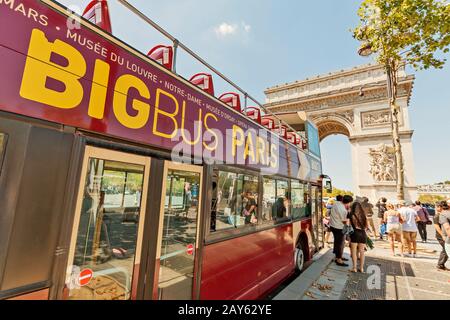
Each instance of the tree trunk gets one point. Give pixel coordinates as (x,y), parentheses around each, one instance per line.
(392,84)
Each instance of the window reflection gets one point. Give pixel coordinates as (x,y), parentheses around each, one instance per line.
(179,234)
(107,232)
(269,198)
(276,199)
(235,200)
(298,190)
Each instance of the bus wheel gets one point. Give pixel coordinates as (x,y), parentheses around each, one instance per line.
(299,258)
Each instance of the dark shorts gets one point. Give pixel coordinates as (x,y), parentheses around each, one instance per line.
(358,236)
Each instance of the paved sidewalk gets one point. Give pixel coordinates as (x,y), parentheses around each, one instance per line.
(297,288)
(386,277)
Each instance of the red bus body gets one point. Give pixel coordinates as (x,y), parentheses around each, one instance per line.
(38,195)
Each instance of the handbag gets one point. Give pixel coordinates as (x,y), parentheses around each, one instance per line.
(347,230)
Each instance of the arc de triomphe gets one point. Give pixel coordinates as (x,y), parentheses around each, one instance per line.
(354,103)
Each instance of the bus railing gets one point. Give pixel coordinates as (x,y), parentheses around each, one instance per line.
(179,45)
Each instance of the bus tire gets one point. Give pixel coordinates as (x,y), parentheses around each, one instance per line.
(299,258)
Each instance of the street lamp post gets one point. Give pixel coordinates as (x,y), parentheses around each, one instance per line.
(391,74)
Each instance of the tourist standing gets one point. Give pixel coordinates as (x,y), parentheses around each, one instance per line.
(368,210)
(443,257)
(358,238)
(444,220)
(409,226)
(338,218)
(424,220)
(381,205)
(393,221)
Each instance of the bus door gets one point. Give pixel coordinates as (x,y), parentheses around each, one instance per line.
(316,199)
(105,250)
(178,232)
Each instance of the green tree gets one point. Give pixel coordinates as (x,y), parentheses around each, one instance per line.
(336,192)
(414,32)
(428,198)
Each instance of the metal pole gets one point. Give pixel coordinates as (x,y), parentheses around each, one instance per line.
(177,43)
(175,51)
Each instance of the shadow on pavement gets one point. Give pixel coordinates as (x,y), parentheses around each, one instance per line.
(383,280)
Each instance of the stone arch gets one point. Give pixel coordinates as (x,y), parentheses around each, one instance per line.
(329,125)
(353,103)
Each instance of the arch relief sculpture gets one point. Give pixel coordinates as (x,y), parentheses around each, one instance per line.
(382,163)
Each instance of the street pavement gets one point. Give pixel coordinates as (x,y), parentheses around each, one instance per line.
(385,278)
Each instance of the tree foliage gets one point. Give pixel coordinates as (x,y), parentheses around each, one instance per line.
(336,192)
(416,31)
(430,198)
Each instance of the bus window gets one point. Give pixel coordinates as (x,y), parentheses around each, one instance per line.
(3,138)
(307,200)
(224,201)
(249,196)
(298,200)
(282,201)
(269,197)
(235,199)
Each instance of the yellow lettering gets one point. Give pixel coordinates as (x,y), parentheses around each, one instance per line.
(249,147)
(237,141)
(38,68)
(169,115)
(123,85)
(216,142)
(260,150)
(274,155)
(199,124)
(99,90)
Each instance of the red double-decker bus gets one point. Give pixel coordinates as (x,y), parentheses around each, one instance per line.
(121,179)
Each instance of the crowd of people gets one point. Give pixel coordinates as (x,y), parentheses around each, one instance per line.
(351,220)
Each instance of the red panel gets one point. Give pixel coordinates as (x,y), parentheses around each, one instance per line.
(247,267)
(97,12)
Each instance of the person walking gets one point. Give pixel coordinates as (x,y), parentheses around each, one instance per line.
(338,218)
(381,205)
(368,210)
(358,238)
(393,221)
(424,216)
(443,257)
(409,226)
(444,220)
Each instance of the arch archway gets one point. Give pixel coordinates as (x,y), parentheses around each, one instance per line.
(353,103)
(327,128)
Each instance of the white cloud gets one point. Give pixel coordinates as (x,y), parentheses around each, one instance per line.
(228,29)
(246,27)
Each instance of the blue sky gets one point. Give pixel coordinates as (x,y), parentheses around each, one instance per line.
(261,43)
